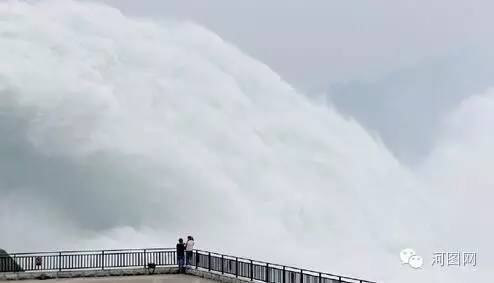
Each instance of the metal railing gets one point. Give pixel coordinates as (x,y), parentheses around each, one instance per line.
(92,259)
(133,258)
(264,271)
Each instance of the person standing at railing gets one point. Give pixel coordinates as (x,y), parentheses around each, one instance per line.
(189,247)
(180,255)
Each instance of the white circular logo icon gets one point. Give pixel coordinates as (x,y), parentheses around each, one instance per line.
(416,261)
(410,257)
(406,254)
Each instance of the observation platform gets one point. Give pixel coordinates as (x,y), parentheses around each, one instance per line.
(156,265)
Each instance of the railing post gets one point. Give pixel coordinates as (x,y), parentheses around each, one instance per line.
(102,260)
(59,261)
(284,274)
(320,277)
(146,259)
(251,270)
(14,264)
(209,261)
(236,267)
(301,276)
(339,278)
(222,265)
(267,272)
(197,259)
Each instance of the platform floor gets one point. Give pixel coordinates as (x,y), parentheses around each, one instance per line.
(162,278)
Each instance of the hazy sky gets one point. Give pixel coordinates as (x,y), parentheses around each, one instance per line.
(378,61)
(317,42)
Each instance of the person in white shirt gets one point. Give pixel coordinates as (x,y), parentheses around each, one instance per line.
(189,247)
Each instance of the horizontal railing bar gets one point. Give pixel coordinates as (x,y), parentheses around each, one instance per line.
(94,251)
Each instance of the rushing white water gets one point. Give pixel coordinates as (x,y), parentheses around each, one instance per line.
(118,132)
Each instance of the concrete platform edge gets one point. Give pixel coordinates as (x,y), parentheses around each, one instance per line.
(32,275)
(216,276)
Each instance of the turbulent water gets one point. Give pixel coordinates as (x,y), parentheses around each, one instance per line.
(122,132)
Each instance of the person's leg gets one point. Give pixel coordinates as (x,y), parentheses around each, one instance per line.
(188,258)
(180,263)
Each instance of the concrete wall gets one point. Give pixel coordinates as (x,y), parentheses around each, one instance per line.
(226,278)
(84,273)
(216,276)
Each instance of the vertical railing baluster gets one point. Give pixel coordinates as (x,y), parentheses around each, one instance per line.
(222,265)
(236,267)
(197,259)
(267,272)
(209,261)
(284,274)
(102,260)
(251,270)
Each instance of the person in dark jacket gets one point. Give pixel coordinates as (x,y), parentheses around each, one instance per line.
(181,255)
